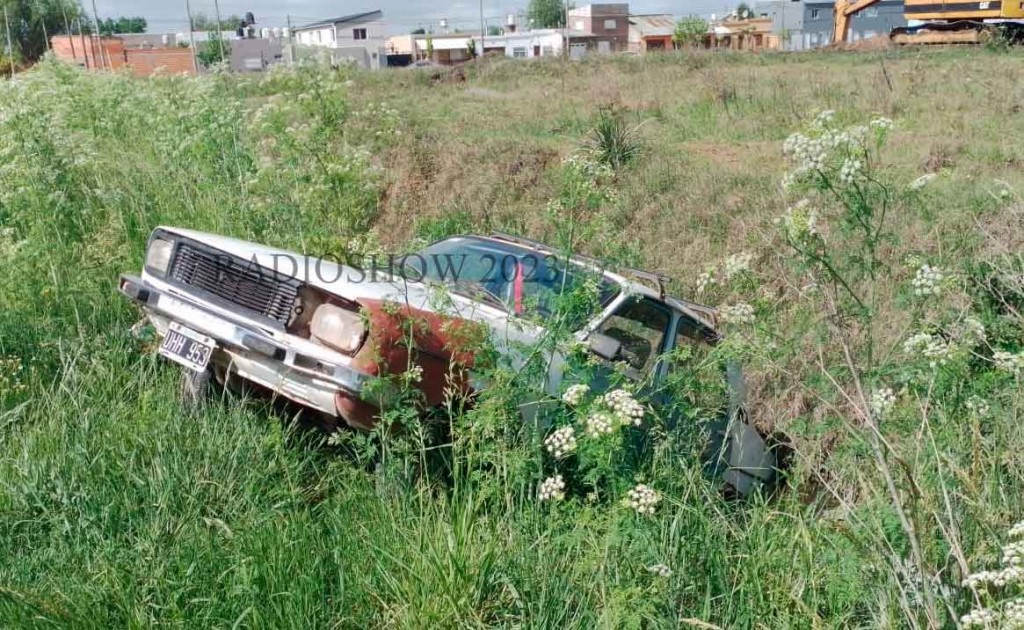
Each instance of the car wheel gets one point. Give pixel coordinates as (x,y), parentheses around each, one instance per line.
(195,389)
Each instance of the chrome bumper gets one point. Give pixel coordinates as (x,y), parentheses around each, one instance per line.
(232,335)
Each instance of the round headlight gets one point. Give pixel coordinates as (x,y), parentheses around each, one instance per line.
(337,328)
(158,257)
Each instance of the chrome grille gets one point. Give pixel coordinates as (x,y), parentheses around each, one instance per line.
(234,280)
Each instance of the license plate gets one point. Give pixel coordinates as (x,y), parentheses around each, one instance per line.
(187,347)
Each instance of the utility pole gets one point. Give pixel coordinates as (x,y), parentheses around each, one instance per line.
(191,36)
(291,42)
(220,35)
(566,5)
(71,34)
(10,44)
(483,32)
(104,60)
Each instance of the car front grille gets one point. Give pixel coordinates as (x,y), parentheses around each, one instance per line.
(234,280)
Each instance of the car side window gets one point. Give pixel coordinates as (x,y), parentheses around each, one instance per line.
(640,326)
(693,374)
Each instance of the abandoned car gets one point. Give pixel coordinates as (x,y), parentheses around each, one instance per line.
(320,333)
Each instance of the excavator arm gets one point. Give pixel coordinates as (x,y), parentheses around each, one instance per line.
(845,9)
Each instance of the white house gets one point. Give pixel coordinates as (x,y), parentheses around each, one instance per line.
(359,37)
(544,42)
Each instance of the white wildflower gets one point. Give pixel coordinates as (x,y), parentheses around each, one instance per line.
(561,442)
(928,280)
(922,181)
(882,401)
(978,618)
(740,313)
(575,394)
(661,570)
(599,423)
(414,374)
(824,119)
(980,408)
(971,331)
(624,406)
(1008,361)
(932,348)
(553,489)
(1013,613)
(1017,531)
(737,264)
(799,222)
(882,123)
(1013,553)
(706,280)
(851,170)
(643,499)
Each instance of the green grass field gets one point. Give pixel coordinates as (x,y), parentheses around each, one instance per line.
(119,510)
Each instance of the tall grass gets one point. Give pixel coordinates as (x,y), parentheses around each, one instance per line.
(118,510)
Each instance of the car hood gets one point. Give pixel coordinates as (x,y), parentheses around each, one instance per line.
(353,283)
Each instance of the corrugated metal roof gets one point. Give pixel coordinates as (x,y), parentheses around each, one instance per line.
(653,24)
(344,18)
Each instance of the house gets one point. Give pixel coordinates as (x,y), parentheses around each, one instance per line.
(459,47)
(358,38)
(734,33)
(543,42)
(805,24)
(787,21)
(601,28)
(651,32)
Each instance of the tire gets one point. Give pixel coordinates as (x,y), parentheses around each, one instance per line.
(195,389)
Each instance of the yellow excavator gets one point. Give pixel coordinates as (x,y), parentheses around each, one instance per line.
(943,21)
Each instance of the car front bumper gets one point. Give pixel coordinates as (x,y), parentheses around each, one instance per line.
(254,355)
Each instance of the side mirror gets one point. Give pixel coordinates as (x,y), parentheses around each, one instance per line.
(604,346)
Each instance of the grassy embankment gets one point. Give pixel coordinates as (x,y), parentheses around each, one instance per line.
(117,510)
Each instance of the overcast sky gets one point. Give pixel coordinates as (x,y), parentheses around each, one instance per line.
(400,15)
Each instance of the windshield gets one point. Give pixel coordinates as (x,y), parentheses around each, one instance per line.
(523,281)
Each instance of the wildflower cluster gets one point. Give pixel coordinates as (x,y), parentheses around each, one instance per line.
(1009,361)
(932,348)
(739,313)
(882,401)
(643,499)
(553,489)
(561,442)
(928,280)
(660,570)
(995,588)
(627,409)
(11,376)
(575,394)
(705,280)
(600,423)
(830,153)
(979,407)
(737,264)
(800,222)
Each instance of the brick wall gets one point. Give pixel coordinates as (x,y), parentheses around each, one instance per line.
(144,62)
(107,52)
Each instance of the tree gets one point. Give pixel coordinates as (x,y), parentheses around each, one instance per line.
(743,11)
(33,21)
(214,50)
(202,22)
(493,31)
(689,31)
(547,13)
(418,31)
(123,25)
